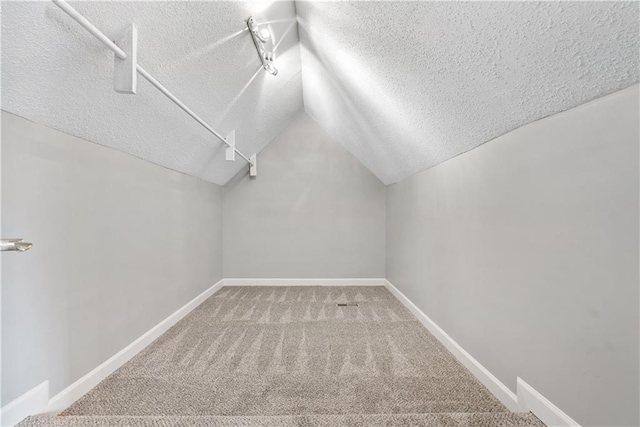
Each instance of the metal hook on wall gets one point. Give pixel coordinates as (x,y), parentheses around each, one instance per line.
(14,245)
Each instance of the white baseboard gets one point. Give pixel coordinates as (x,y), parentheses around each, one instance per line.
(76,390)
(501,391)
(530,400)
(527,399)
(32,402)
(304,282)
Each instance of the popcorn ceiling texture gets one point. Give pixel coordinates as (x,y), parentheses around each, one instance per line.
(57,74)
(407,85)
(402,85)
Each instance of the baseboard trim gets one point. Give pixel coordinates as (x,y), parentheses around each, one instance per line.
(529,399)
(304,282)
(32,402)
(66,397)
(501,391)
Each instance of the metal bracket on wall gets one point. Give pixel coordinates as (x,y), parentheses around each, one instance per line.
(253,166)
(230,152)
(125,75)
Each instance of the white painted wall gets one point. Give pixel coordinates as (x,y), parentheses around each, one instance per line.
(525,251)
(119,244)
(313,212)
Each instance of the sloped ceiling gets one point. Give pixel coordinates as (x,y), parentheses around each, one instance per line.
(402,85)
(55,73)
(407,85)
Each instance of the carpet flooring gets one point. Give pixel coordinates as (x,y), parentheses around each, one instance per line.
(293,356)
(292,351)
(489,419)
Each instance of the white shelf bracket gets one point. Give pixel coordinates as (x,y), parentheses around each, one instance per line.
(230,153)
(125,75)
(253,166)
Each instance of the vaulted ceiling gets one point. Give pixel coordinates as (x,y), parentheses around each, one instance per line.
(407,85)
(402,85)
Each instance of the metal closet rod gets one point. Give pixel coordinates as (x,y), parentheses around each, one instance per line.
(62,4)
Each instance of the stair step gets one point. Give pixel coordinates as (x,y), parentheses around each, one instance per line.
(485,419)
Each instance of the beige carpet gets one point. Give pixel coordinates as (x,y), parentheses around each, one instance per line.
(488,419)
(293,351)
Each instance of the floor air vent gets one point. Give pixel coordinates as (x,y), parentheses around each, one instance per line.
(348,304)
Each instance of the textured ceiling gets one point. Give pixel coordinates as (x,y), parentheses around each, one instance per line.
(402,85)
(55,73)
(407,85)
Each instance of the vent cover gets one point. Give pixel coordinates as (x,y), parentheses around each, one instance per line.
(349,304)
